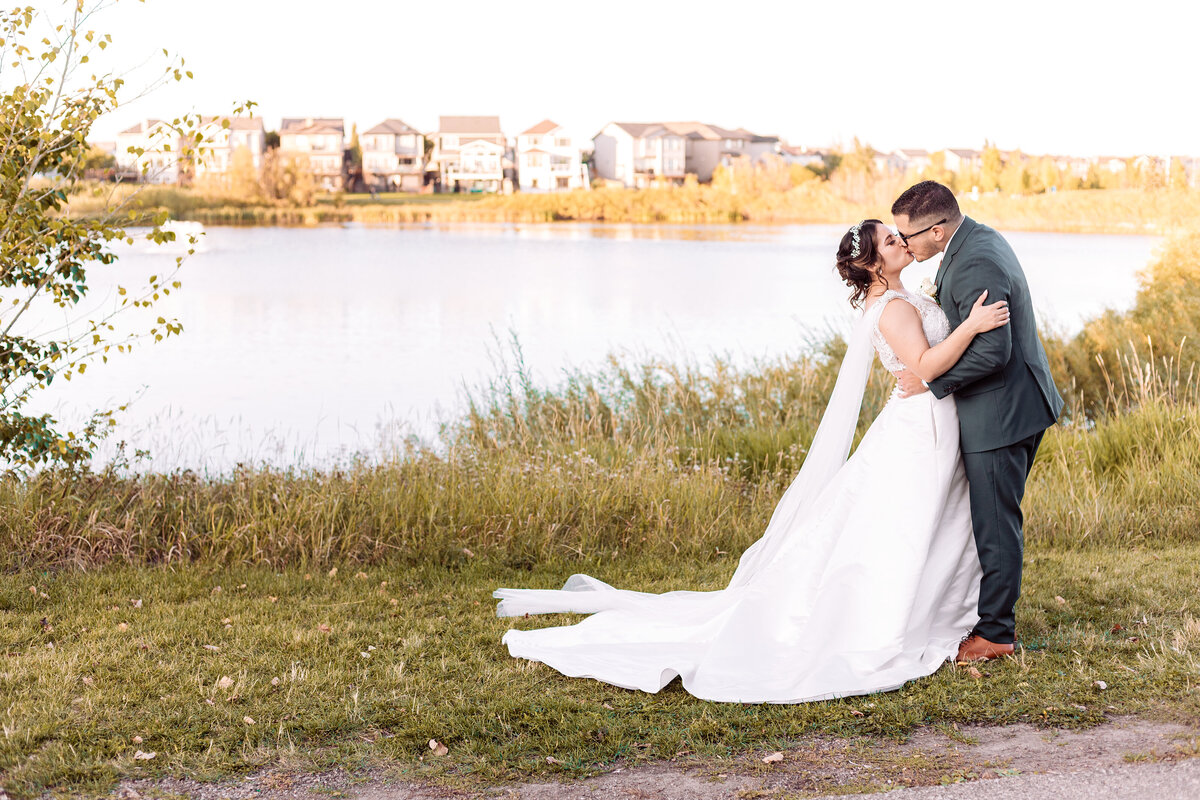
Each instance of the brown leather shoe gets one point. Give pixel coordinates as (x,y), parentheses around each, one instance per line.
(977,648)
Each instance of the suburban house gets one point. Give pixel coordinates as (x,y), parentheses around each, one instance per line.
(640,153)
(804,156)
(158,159)
(322,141)
(469,154)
(393,156)
(548,159)
(221,141)
(911,159)
(961,161)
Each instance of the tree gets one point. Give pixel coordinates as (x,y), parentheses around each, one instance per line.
(45,253)
(991,165)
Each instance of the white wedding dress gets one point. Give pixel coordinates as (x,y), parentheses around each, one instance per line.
(867,575)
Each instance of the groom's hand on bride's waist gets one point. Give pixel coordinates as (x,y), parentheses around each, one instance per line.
(910,384)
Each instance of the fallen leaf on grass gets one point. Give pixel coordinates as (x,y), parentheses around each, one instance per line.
(216,590)
(854,712)
(333,572)
(1116,628)
(87,680)
(226,621)
(140,756)
(394,601)
(123,627)
(272,598)
(1101,685)
(365,654)
(774,758)
(606,705)
(274,681)
(136,603)
(248,720)
(224,682)
(438,748)
(1060,600)
(467,552)
(212,647)
(137,740)
(323,628)
(552,760)
(974,673)
(362,576)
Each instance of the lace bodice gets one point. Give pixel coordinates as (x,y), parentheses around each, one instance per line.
(933,320)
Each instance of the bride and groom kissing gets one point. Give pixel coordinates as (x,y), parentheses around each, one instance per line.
(877,567)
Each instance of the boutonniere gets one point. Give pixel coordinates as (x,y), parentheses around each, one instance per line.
(929,289)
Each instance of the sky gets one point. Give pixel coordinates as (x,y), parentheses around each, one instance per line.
(1080,78)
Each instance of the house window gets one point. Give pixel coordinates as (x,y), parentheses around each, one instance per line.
(534,159)
(535,141)
(562,141)
(450,142)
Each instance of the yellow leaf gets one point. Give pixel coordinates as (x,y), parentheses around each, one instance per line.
(438,748)
(774,758)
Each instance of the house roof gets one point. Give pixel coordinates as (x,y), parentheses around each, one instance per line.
(965,153)
(545,126)
(538,151)
(690,130)
(913,153)
(469,125)
(235,123)
(392,126)
(297,124)
(320,128)
(143,126)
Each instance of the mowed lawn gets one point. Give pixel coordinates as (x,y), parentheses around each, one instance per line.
(219,671)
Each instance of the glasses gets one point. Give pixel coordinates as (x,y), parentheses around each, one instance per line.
(904,237)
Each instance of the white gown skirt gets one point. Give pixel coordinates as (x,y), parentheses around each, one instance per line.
(875,585)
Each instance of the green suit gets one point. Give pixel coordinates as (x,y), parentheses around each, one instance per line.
(1006,399)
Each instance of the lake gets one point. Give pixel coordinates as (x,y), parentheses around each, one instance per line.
(301,345)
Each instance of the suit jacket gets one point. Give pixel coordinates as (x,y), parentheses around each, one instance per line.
(1002,383)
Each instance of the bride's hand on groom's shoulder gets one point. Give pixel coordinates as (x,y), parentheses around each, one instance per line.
(910,384)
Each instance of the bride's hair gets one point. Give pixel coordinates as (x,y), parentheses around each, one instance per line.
(861,270)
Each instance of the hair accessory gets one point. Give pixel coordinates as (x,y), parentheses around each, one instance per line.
(857,246)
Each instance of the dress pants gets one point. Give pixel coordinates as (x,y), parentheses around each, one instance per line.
(997,479)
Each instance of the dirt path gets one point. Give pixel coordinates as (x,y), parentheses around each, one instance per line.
(1123,749)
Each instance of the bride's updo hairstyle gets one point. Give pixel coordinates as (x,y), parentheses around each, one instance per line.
(858,262)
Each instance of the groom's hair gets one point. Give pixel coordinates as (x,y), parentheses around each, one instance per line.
(927,200)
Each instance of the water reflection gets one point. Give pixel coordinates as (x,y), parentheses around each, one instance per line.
(302,343)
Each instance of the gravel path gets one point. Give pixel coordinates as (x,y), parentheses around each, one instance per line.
(1124,758)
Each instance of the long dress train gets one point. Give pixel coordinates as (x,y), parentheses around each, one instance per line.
(867,575)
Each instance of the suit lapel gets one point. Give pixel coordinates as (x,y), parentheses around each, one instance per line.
(960,236)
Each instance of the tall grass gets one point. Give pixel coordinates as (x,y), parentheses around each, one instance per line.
(836,201)
(649,457)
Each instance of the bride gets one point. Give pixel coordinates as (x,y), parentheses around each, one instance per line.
(867,575)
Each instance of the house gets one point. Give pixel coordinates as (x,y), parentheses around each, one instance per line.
(641,153)
(911,159)
(795,154)
(222,140)
(149,151)
(963,161)
(322,141)
(548,159)
(393,154)
(469,154)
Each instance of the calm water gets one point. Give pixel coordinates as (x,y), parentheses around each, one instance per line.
(302,344)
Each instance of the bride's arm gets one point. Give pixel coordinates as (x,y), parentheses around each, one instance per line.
(900,325)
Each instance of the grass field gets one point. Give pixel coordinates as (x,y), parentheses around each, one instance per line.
(220,670)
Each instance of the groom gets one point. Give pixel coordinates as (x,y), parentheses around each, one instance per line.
(1002,386)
